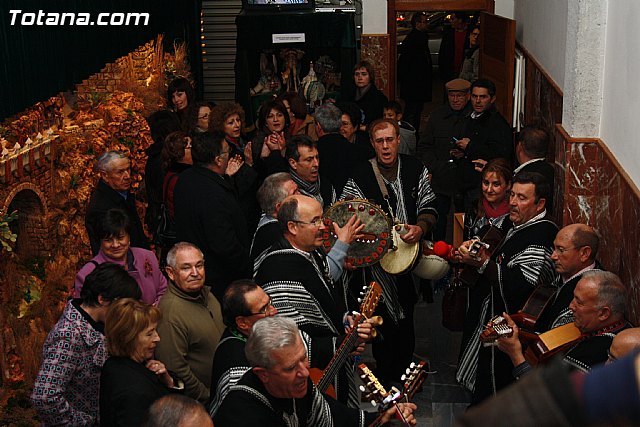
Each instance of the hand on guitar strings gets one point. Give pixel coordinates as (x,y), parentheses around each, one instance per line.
(466,257)
(510,345)
(350,231)
(406,409)
(411,233)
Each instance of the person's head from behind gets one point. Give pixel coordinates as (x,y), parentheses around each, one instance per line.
(392,111)
(350,120)
(328,118)
(295,105)
(228,118)
(104,285)
(130,329)
(533,143)
(302,156)
(176,149)
(496,181)
(211,150)
(244,303)
(278,357)
(114,231)
(274,189)
(625,342)
(363,74)
(180,94)
(529,193)
(115,170)
(162,123)
(176,410)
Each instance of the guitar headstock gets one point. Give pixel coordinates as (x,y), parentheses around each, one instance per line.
(414,377)
(496,328)
(370,300)
(375,392)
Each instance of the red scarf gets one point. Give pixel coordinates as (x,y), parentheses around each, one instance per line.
(491,212)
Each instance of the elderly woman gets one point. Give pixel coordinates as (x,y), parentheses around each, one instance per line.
(302,123)
(113,229)
(350,129)
(131,378)
(202,119)
(181,98)
(368,97)
(67,387)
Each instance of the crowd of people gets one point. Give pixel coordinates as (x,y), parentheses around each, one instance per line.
(244,295)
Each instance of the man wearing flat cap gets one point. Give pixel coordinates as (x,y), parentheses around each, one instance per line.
(445,123)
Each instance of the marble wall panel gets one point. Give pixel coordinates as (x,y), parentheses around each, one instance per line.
(375,49)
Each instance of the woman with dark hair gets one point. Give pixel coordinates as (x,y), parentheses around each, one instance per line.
(302,123)
(181,98)
(228,119)
(496,185)
(269,143)
(368,97)
(203,117)
(350,129)
(66,390)
(414,69)
(131,379)
(113,230)
(471,63)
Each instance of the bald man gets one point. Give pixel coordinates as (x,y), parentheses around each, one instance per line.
(624,343)
(574,252)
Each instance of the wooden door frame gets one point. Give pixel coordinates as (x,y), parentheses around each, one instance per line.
(394,6)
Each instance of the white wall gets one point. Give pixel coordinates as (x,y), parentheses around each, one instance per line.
(541,29)
(505,8)
(621,90)
(374,16)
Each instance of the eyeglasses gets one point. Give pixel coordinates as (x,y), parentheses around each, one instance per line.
(316,222)
(263,311)
(204,116)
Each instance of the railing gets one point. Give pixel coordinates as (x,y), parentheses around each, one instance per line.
(26,160)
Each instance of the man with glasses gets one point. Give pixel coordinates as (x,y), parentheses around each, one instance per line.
(191,324)
(297,276)
(243,304)
(208,214)
(446,124)
(410,202)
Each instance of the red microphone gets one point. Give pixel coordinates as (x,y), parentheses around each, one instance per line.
(443,249)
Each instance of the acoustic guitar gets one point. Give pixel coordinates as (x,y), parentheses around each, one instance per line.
(323,378)
(413,378)
(491,241)
(552,342)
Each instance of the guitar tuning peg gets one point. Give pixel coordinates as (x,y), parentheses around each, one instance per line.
(407,371)
(362,388)
(363,376)
(412,365)
(373,403)
(403,377)
(359,299)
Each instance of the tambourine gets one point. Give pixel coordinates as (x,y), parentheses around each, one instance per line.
(369,249)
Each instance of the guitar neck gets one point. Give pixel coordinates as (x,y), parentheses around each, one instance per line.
(340,356)
(397,415)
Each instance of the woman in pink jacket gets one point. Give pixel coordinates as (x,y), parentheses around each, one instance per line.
(141,264)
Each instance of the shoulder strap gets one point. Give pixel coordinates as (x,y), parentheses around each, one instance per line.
(376,172)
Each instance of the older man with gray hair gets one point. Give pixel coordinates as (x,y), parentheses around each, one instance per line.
(337,154)
(271,193)
(278,391)
(113,191)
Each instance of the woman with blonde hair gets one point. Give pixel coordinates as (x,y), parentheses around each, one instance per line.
(131,378)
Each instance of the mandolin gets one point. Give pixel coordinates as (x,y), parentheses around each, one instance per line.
(323,378)
(413,378)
